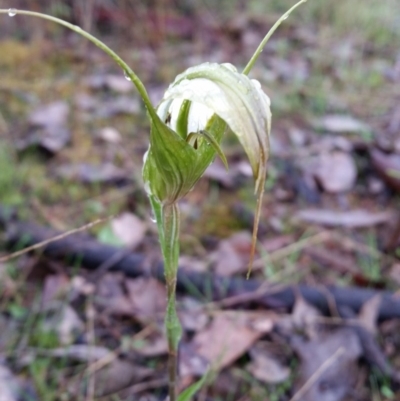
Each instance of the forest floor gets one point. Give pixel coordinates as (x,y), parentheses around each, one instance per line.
(73,132)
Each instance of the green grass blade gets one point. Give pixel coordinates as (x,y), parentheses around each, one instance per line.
(191,391)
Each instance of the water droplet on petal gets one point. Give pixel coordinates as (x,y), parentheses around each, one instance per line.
(12,12)
(230,67)
(127,76)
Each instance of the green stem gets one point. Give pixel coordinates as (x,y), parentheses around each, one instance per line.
(167,217)
(261,46)
(127,70)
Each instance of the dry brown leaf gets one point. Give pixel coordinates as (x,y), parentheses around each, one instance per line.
(116,83)
(148,299)
(339,377)
(278,242)
(394,273)
(368,315)
(56,286)
(341,124)
(10,388)
(111,296)
(232,255)
(304,318)
(387,166)
(85,101)
(110,135)
(336,171)
(334,259)
(129,229)
(90,173)
(190,362)
(118,105)
(63,320)
(192,314)
(230,335)
(396,144)
(217,172)
(296,69)
(265,366)
(51,115)
(154,345)
(193,264)
(114,377)
(353,218)
(52,139)
(47,128)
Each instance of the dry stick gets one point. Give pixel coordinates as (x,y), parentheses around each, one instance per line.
(53,239)
(149,385)
(90,314)
(319,238)
(317,374)
(358,246)
(112,356)
(392,241)
(264,289)
(330,300)
(296,247)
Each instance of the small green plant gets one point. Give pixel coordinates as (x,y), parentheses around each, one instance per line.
(8,178)
(200,106)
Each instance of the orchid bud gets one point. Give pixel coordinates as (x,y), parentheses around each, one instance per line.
(195,112)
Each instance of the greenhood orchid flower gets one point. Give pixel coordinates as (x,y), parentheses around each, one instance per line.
(206,100)
(202,104)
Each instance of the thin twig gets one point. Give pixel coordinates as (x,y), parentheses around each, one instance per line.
(53,239)
(354,245)
(112,356)
(284,252)
(90,315)
(330,300)
(319,238)
(265,289)
(393,239)
(317,374)
(149,385)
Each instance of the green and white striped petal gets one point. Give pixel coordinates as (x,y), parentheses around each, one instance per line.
(236,99)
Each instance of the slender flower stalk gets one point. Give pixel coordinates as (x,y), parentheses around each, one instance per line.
(186,130)
(167,218)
